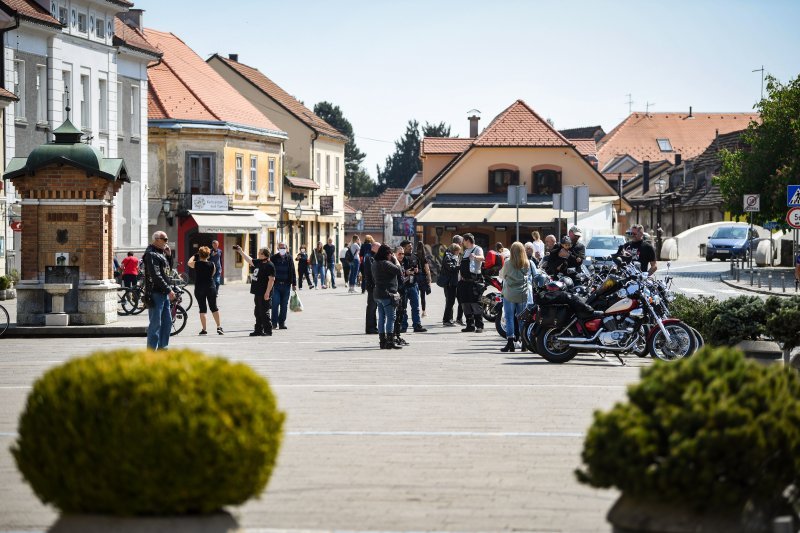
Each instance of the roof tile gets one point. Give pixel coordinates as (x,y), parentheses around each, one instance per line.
(444,145)
(30,9)
(519,125)
(125,35)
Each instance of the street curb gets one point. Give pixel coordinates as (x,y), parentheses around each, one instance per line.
(734,285)
(75,331)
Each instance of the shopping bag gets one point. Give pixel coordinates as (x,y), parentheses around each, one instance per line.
(294,302)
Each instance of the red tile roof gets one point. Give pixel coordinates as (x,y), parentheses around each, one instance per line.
(284,99)
(184,87)
(371,206)
(586,147)
(125,35)
(8,95)
(302,183)
(519,125)
(348,209)
(689,136)
(444,145)
(29,9)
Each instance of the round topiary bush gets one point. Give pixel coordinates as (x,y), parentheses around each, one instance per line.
(148,433)
(714,431)
(738,319)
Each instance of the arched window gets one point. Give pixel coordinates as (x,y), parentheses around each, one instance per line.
(500,177)
(546,180)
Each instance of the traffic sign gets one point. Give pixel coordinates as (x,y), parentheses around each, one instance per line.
(16,226)
(752,203)
(793,195)
(771,225)
(793,217)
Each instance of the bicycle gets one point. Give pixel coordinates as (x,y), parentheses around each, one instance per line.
(130,301)
(5,320)
(178,313)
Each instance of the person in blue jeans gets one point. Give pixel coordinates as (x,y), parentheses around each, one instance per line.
(159,290)
(330,257)
(285,282)
(515,274)
(386,271)
(355,248)
(216,260)
(411,268)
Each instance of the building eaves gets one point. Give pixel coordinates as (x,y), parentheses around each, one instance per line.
(30,11)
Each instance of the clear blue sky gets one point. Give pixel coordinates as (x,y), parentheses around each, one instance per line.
(385,62)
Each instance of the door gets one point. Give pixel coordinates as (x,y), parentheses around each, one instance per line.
(194,240)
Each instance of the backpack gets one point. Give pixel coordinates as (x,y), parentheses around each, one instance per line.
(348,256)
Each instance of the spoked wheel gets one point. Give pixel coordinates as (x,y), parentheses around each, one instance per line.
(140,305)
(552,349)
(127,301)
(179,319)
(186,296)
(640,349)
(682,342)
(5,320)
(698,338)
(529,336)
(489,310)
(500,323)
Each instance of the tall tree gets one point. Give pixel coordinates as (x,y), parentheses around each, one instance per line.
(771,159)
(404,162)
(356,179)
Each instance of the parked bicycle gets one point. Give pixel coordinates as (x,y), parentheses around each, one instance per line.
(179,314)
(5,320)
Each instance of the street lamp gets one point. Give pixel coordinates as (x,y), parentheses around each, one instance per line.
(359,215)
(661,186)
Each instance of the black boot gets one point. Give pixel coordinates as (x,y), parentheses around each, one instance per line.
(509,347)
(470,326)
(382,340)
(399,341)
(391,344)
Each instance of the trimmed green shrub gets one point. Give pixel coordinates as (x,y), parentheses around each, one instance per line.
(697,312)
(738,319)
(711,431)
(148,433)
(5,282)
(783,322)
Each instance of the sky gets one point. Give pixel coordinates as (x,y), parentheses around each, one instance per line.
(386,62)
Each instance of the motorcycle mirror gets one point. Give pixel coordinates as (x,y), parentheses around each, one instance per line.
(571,271)
(618,261)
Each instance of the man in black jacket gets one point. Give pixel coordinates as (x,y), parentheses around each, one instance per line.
(285,282)
(159,292)
(369,284)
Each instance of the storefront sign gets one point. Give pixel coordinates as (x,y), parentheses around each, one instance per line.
(209,202)
(325,205)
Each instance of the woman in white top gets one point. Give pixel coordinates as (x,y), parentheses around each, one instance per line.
(538,247)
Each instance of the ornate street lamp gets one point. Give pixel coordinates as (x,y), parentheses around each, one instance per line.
(661,187)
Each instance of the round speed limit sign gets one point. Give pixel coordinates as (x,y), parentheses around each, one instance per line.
(793,217)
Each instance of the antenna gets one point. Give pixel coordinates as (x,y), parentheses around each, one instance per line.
(647,107)
(629,102)
(761,70)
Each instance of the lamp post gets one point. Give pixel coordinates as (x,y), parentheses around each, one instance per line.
(298,212)
(359,216)
(661,186)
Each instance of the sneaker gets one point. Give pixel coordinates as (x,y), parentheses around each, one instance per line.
(419,329)
(282,326)
(203,332)
(219,331)
(268,333)
(256,334)
(324,287)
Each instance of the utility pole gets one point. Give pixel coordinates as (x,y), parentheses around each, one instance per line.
(761,70)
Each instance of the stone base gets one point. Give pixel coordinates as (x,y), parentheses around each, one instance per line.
(97,303)
(56,319)
(215,523)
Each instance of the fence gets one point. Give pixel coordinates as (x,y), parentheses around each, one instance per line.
(783,280)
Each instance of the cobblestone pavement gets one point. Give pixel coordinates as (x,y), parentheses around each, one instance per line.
(449,434)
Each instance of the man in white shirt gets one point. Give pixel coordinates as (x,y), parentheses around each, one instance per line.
(470,285)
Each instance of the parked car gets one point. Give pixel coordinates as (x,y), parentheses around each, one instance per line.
(600,248)
(731,241)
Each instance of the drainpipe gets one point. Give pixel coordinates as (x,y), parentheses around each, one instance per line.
(3,116)
(313,163)
(283,191)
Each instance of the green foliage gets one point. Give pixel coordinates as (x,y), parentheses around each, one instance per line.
(738,319)
(783,324)
(13,274)
(772,158)
(5,282)
(404,162)
(148,433)
(711,431)
(696,312)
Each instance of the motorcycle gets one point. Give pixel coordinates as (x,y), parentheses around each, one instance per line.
(627,316)
(490,299)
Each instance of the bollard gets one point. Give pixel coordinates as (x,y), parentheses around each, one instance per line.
(751,277)
(759,279)
(783,283)
(769,280)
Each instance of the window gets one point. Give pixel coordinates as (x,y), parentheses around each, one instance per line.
(271,176)
(103,106)
(120,109)
(41,94)
(66,76)
(664,145)
(327,171)
(500,179)
(19,89)
(101,29)
(62,15)
(136,113)
(200,175)
(82,22)
(86,103)
(546,182)
(239,164)
(318,173)
(336,171)
(253,174)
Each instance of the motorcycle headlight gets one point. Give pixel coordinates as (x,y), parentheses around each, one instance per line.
(669,296)
(622,293)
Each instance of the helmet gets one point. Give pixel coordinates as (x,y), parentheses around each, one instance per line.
(554,285)
(568,283)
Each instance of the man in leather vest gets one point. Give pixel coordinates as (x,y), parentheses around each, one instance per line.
(159,292)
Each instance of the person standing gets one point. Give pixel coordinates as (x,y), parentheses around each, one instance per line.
(330,257)
(345,258)
(538,246)
(639,250)
(386,270)
(423,276)
(205,289)
(515,275)
(363,252)
(450,275)
(353,258)
(130,270)
(159,291)
(285,282)
(216,260)
(469,286)
(318,264)
(459,240)
(302,268)
(577,252)
(411,289)
(262,282)
(369,284)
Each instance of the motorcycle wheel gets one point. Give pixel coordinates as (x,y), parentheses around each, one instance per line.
(500,322)
(698,337)
(489,312)
(553,350)
(641,349)
(683,343)
(529,336)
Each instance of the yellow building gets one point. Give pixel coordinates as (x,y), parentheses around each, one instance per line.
(215,160)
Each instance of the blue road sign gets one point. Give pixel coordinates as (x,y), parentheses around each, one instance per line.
(793,195)
(771,225)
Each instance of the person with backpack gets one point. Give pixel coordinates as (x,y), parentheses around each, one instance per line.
(371,327)
(470,285)
(352,257)
(448,280)
(343,254)
(516,288)
(363,252)
(423,276)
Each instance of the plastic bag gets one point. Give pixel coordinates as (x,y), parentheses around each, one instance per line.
(294,303)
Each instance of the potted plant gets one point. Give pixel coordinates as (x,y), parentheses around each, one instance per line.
(132,440)
(709,443)
(4,284)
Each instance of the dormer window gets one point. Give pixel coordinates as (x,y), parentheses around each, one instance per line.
(664,145)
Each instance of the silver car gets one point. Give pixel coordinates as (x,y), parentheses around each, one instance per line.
(600,247)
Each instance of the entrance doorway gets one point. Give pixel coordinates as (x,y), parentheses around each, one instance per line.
(193,241)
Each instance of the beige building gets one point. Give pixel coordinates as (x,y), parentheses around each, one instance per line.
(313,200)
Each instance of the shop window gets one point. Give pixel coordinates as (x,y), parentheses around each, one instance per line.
(501,178)
(546,182)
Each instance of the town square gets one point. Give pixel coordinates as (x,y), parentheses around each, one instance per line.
(244,287)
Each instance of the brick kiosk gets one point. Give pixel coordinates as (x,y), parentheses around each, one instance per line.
(67,190)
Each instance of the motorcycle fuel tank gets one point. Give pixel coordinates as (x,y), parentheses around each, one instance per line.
(626,304)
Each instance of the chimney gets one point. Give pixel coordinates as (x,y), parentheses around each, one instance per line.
(645,177)
(474,117)
(233,57)
(677,159)
(690,112)
(133,18)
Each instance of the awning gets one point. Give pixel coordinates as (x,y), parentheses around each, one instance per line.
(501,214)
(451,215)
(527,215)
(330,219)
(227,222)
(301,183)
